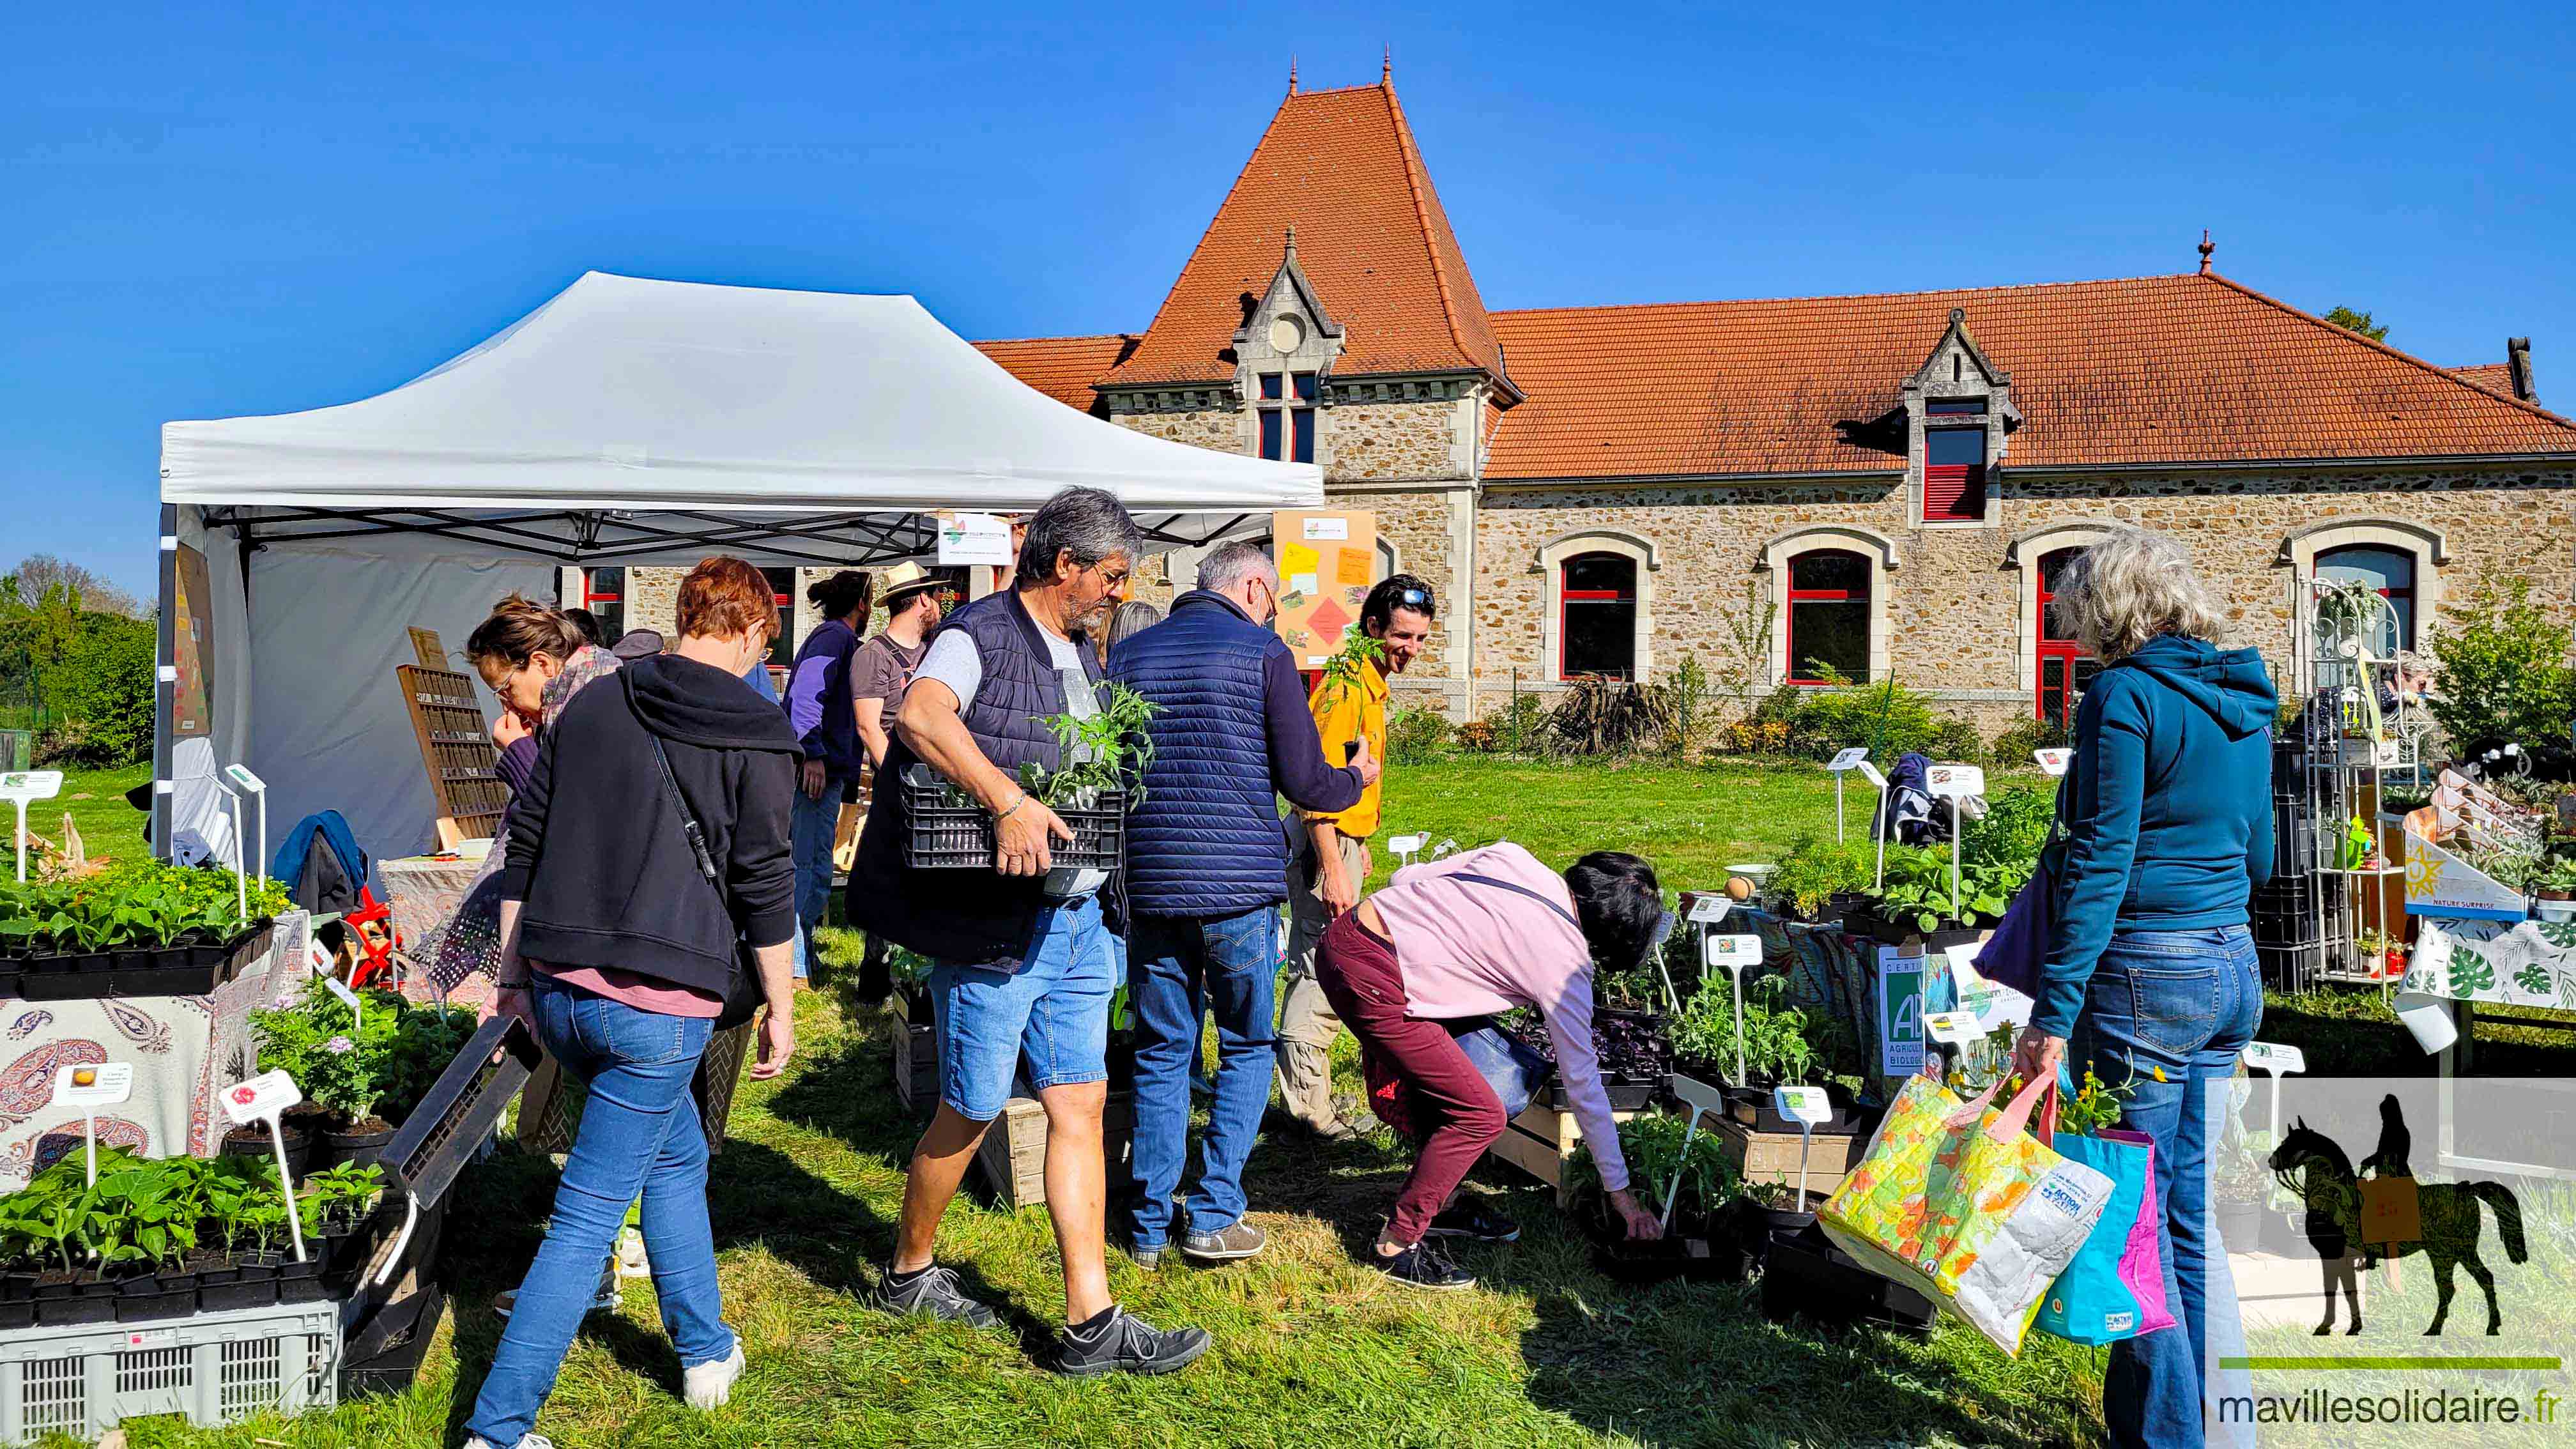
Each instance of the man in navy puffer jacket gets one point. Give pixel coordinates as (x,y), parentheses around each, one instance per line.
(1206,873)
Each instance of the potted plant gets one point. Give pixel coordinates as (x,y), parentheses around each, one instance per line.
(2554,891)
(1663,1157)
(1819,879)
(1914,899)
(1772,1210)
(145,929)
(1099,777)
(361,1071)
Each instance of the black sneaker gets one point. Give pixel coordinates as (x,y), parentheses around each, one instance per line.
(1468,1220)
(1421,1266)
(1128,1345)
(934,1292)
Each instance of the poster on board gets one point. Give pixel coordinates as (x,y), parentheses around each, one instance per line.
(1327,560)
(191,649)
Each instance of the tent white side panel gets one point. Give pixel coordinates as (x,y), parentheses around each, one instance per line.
(326,630)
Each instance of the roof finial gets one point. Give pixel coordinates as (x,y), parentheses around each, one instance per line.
(1386,71)
(2206,247)
(1292,75)
(1292,241)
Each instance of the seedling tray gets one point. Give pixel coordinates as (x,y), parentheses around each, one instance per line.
(183,970)
(945,836)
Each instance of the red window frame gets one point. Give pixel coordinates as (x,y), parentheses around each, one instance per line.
(782,649)
(2063,648)
(1953,492)
(1799,596)
(2401,594)
(1565,617)
(1291,439)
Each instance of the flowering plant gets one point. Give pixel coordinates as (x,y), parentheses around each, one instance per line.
(374,1063)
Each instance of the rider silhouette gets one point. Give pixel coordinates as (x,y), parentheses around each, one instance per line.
(2395,1142)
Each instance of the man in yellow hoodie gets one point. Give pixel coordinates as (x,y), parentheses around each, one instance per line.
(1328,853)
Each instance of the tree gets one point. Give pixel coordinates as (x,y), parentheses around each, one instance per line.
(2502,669)
(2361,322)
(42,573)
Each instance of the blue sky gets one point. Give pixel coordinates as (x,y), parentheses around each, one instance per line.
(281,208)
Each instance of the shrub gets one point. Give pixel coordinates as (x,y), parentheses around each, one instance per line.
(1754,737)
(1479,736)
(2503,670)
(1518,724)
(101,693)
(2015,826)
(1887,717)
(1955,738)
(1415,735)
(2014,745)
(1686,696)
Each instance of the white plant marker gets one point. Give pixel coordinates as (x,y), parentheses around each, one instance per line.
(21,788)
(1444,849)
(90,1087)
(1843,763)
(1805,1106)
(2274,1060)
(1951,1033)
(265,1098)
(243,782)
(2052,762)
(1703,1100)
(1954,783)
(1877,815)
(1406,847)
(1732,954)
(357,1010)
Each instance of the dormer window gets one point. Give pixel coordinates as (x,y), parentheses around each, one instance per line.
(1959,419)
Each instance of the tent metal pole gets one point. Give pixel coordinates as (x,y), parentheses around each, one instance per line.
(165,685)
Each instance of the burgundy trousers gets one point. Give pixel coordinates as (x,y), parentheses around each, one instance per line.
(1452,1108)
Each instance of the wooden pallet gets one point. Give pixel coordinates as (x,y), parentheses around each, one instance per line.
(1012,1158)
(916,1058)
(1540,1140)
(456,747)
(1773,1156)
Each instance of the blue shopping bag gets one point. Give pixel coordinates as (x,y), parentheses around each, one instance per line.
(2115,1288)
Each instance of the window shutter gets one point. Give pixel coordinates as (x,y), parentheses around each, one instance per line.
(1953,493)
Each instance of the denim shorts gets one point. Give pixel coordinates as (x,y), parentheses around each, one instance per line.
(1047,1021)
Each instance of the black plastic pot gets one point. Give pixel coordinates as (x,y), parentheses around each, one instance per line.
(78,976)
(1698,1260)
(385,1351)
(73,1303)
(166,971)
(1757,1227)
(20,1313)
(253,1142)
(336,1148)
(302,1282)
(241,1292)
(147,1297)
(1809,1277)
(1626,1096)
(2239,1222)
(1896,933)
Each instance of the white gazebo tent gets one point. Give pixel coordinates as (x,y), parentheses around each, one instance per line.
(625,421)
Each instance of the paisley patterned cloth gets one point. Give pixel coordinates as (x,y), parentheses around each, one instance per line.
(184,1049)
(468,944)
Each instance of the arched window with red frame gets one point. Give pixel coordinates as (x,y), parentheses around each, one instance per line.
(2064,666)
(2389,572)
(1596,626)
(1828,617)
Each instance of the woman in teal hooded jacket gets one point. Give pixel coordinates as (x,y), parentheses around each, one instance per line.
(2150,978)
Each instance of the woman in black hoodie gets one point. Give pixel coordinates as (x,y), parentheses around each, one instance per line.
(650,843)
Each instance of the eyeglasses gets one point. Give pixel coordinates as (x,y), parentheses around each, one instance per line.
(1413,599)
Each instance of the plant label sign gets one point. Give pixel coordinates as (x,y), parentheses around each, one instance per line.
(1850,759)
(2052,762)
(105,1084)
(261,1098)
(348,998)
(1733,953)
(1870,773)
(243,780)
(1708,910)
(1805,1106)
(1952,1028)
(1954,781)
(1900,1013)
(23,786)
(2264,1056)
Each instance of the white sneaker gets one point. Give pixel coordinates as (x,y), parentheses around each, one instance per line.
(526,1441)
(631,1262)
(708,1385)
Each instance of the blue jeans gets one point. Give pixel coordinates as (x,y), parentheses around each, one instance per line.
(1050,1017)
(2185,1003)
(1232,964)
(639,1133)
(811,825)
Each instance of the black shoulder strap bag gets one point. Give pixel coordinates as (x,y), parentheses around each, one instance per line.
(742,995)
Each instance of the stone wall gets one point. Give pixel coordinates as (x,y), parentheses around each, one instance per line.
(1389,441)
(1957,611)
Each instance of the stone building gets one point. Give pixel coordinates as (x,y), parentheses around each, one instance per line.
(1804,488)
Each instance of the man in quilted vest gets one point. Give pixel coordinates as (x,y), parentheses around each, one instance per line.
(1206,872)
(1026,951)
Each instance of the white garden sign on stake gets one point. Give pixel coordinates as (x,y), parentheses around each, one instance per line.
(1732,954)
(1805,1106)
(1704,1101)
(2274,1060)
(1406,847)
(1954,783)
(105,1084)
(265,1098)
(21,788)
(1843,763)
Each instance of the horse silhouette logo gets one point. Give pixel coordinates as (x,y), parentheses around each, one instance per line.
(2354,1220)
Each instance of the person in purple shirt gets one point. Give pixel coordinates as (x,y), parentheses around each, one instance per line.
(827,724)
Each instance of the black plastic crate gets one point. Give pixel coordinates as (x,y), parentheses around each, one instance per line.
(960,837)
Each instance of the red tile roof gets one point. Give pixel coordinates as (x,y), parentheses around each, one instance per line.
(2191,368)
(2493,376)
(1064,368)
(1341,166)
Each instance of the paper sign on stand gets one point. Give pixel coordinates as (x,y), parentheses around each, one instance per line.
(1708,910)
(21,788)
(89,1088)
(1703,1100)
(2274,1060)
(1807,1107)
(2052,762)
(1732,954)
(265,1098)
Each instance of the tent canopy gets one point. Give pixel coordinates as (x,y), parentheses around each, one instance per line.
(626,421)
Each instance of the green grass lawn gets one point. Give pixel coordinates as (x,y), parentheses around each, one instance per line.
(95,800)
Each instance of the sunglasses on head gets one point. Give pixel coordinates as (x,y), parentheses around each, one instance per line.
(1413,598)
